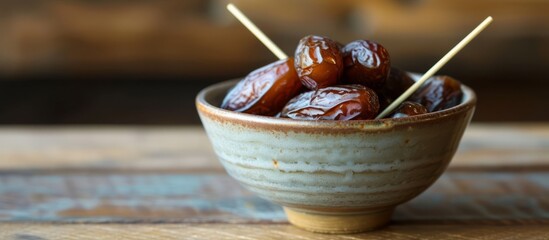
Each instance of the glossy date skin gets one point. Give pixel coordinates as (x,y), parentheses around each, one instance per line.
(438,93)
(266,90)
(318,62)
(407,109)
(367,63)
(344,102)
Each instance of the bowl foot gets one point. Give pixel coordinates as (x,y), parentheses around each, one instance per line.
(337,224)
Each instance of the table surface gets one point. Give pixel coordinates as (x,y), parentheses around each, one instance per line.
(166,183)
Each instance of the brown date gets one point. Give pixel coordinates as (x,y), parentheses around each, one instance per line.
(384,101)
(266,90)
(344,102)
(397,83)
(366,63)
(407,109)
(438,93)
(318,62)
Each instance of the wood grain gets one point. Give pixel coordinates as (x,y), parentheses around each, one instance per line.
(165,183)
(187,148)
(106,148)
(103,197)
(399,231)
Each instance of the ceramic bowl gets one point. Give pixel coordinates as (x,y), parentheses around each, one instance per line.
(334,176)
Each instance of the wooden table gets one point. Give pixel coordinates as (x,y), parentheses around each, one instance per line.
(165,183)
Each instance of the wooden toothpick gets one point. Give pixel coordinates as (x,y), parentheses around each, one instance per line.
(436,67)
(255,30)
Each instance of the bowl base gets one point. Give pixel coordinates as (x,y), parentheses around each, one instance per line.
(338,224)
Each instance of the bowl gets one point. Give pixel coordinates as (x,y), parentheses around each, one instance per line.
(334,176)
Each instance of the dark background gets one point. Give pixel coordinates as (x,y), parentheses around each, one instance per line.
(143,62)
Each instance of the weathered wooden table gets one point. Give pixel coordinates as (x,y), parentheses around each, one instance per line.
(165,183)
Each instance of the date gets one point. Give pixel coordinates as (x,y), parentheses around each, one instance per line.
(318,62)
(407,109)
(366,63)
(266,90)
(438,93)
(345,102)
(397,83)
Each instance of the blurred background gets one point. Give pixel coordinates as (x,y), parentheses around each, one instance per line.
(143,62)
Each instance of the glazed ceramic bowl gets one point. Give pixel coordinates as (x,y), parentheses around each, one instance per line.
(334,176)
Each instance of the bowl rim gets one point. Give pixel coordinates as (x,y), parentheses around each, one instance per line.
(206,108)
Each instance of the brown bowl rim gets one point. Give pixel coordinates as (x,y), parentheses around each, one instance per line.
(284,124)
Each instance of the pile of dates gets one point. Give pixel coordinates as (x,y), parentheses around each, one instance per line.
(328,81)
